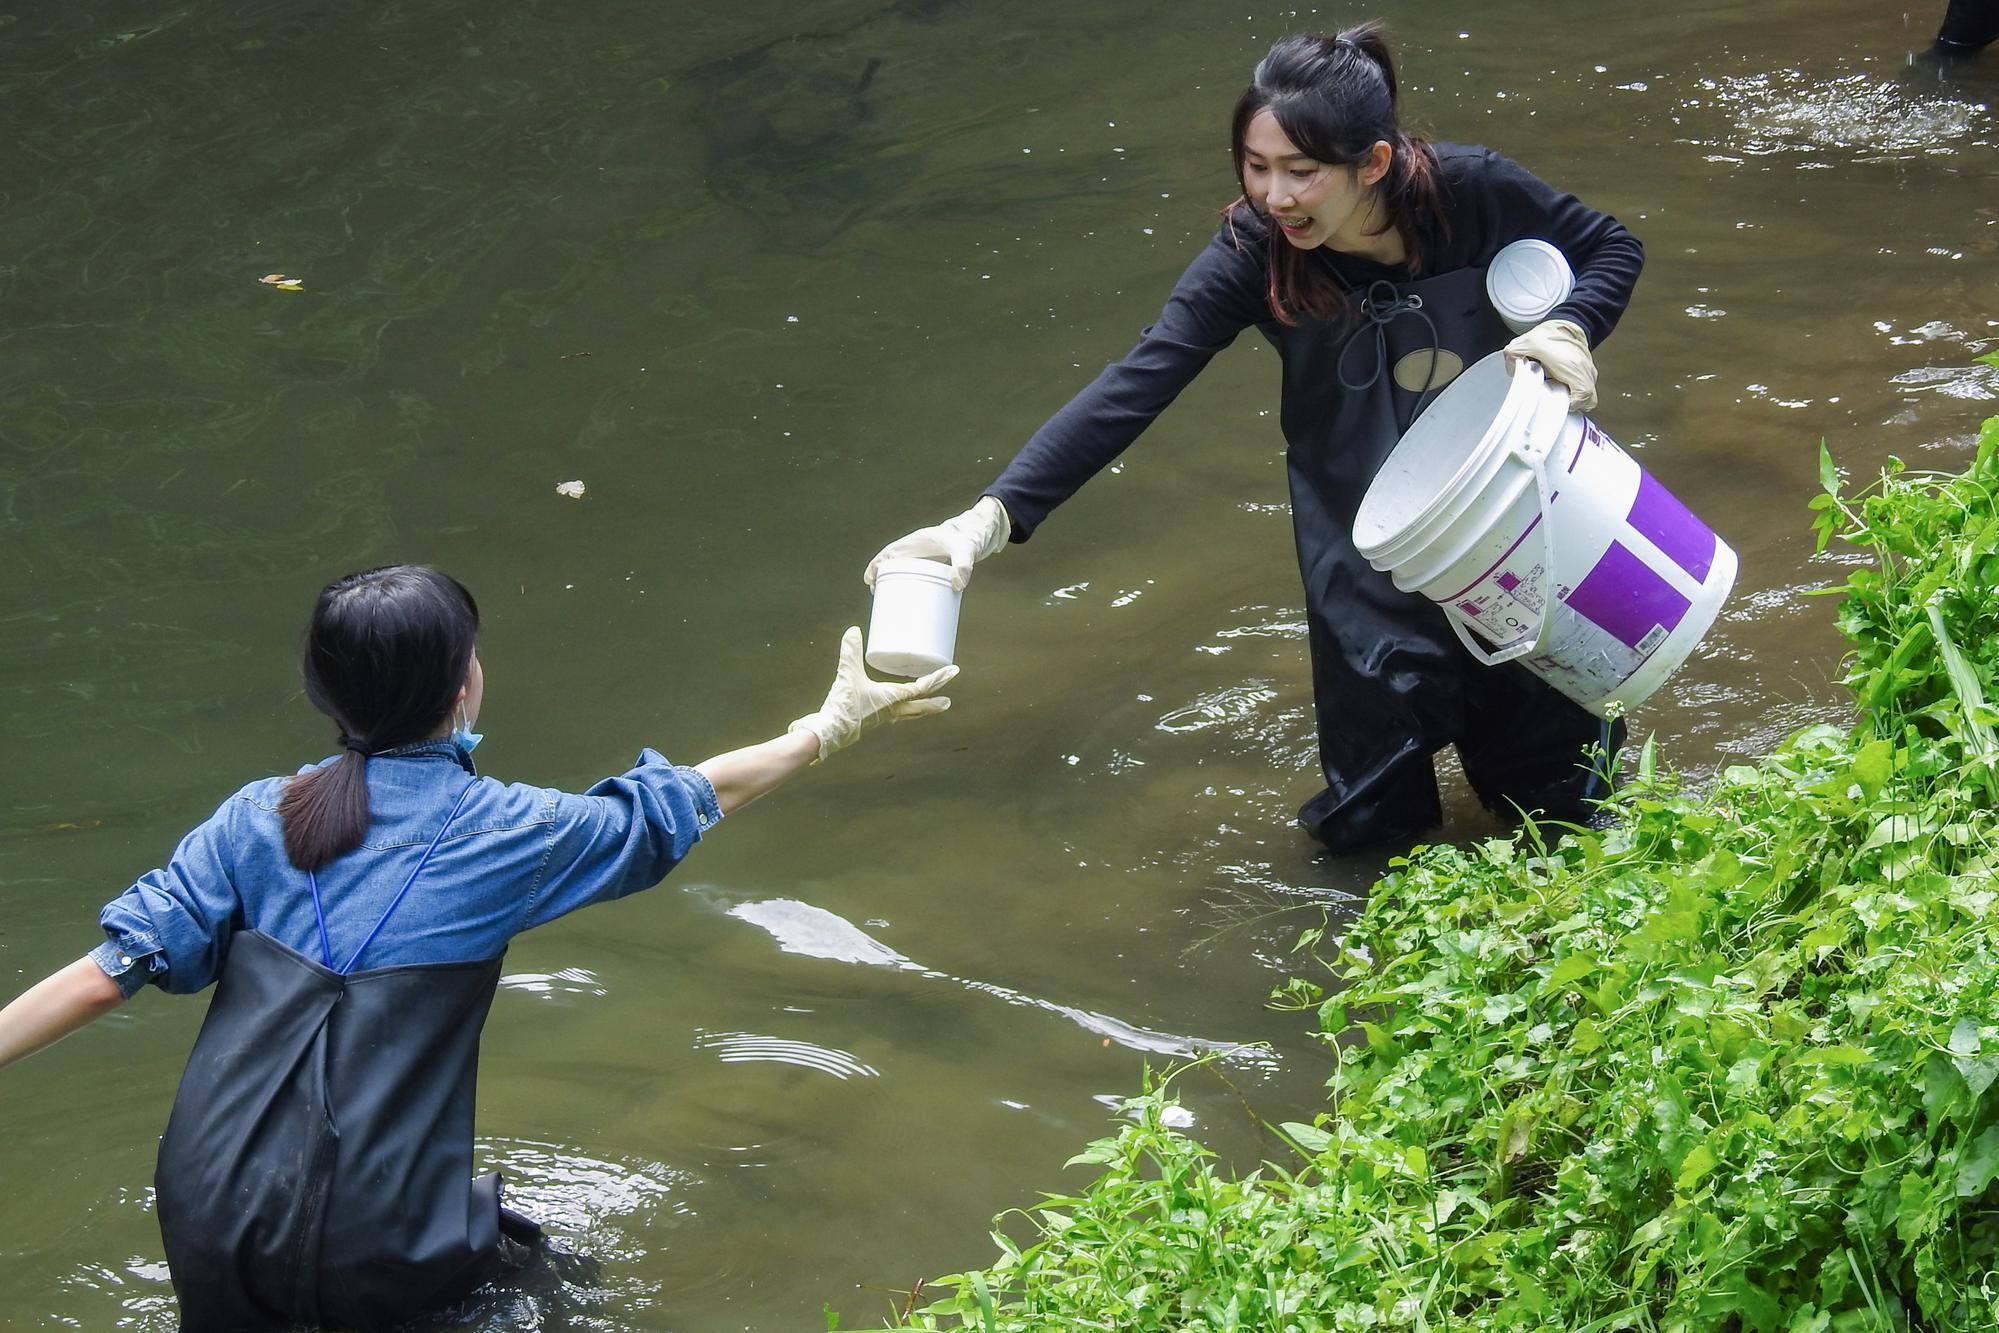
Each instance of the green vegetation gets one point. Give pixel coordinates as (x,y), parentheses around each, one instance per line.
(1729,1064)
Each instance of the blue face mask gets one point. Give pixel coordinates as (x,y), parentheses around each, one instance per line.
(464,738)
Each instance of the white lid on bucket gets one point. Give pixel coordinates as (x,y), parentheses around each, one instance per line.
(1525,281)
(914,567)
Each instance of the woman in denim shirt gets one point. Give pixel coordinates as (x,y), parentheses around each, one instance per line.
(317,1165)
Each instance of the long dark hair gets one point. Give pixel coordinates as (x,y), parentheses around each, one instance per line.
(1335,98)
(384,657)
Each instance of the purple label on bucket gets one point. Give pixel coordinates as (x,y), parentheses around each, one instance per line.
(1672,527)
(1507,580)
(1626,598)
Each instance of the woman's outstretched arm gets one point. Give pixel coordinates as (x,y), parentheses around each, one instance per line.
(740,776)
(54,1007)
(855,704)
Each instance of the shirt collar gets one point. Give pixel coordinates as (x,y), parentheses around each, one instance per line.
(431,747)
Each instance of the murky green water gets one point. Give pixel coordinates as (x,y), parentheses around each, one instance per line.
(778,290)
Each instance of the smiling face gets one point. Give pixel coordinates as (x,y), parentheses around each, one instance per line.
(1311,202)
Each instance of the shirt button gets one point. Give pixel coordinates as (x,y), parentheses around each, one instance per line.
(123,961)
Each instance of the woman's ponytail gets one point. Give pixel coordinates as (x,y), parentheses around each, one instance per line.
(325,812)
(384,657)
(1370,39)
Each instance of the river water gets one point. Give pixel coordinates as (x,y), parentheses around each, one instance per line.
(777,290)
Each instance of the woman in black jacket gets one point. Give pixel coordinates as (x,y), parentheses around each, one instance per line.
(1359,250)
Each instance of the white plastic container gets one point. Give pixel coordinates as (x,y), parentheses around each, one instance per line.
(1525,281)
(914,627)
(1543,541)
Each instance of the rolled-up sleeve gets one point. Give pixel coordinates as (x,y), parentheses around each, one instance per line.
(172,927)
(621,836)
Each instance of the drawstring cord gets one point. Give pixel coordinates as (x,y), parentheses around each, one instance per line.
(1380,306)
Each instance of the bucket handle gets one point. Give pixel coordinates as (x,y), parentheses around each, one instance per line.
(1535,456)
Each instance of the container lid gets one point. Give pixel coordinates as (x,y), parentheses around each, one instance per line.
(910,567)
(1527,279)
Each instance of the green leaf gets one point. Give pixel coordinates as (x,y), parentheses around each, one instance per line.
(1873,766)
(1696,1165)
(1964,684)
(1100,1153)
(1532,1298)
(1945,1095)
(1978,1075)
(1915,1207)
(1977,1165)
(1573,968)
(983,1294)
(1310,1139)
(1899,830)
(1834,1055)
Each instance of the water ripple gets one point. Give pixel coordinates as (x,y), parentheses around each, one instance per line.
(577,1196)
(567,981)
(1789,111)
(750,1048)
(1231,703)
(1977,383)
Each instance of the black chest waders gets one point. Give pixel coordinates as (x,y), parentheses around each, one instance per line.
(1391,683)
(317,1167)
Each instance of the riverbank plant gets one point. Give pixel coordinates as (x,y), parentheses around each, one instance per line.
(1731,1063)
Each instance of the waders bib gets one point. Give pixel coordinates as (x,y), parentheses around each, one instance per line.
(1390,681)
(317,1167)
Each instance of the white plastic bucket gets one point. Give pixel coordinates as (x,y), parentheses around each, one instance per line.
(913,629)
(1543,541)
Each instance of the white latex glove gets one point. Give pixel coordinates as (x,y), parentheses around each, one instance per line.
(1563,352)
(963,541)
(856,703)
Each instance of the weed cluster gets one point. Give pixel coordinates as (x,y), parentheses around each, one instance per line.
(1729,1064)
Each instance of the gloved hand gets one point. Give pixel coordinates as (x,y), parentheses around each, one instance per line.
(856,703)
(964,541)
(1563,352)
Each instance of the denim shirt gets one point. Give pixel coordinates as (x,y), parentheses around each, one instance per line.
(515,857)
